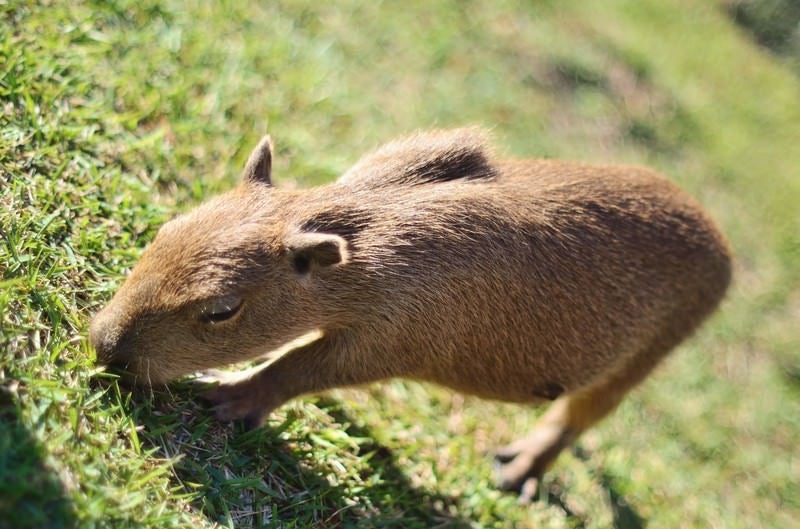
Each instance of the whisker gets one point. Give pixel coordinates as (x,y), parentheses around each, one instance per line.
(149,380)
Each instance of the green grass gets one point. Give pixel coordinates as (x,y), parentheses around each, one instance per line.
(116,115)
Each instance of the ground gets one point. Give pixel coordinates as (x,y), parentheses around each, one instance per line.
(117,115)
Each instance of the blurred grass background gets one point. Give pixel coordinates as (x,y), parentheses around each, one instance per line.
(118,114)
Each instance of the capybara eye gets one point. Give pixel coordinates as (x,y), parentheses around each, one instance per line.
(220,309)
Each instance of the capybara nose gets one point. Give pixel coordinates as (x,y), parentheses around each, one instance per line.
(104,336)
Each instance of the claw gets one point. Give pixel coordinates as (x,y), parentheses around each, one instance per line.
(528,491)
(511,474)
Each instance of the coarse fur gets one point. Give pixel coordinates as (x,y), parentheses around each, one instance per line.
(521,281)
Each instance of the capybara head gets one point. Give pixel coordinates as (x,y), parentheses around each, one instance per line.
(226,282)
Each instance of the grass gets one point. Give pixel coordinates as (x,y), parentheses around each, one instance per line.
(117,114)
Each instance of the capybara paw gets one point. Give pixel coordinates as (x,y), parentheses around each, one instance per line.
(521,465)
(234,402)
(519,473)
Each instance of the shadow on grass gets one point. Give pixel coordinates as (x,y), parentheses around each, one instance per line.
(624,516)
(280,476)
(31,495)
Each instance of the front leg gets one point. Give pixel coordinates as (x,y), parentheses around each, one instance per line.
(326,363)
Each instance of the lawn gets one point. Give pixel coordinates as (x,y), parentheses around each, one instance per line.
(116,115)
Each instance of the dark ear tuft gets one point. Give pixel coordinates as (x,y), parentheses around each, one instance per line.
(259,165)
(309,250)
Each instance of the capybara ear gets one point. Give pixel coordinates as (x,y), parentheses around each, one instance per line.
(316,250)
(259,166)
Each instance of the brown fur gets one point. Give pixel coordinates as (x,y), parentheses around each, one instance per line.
(520,281)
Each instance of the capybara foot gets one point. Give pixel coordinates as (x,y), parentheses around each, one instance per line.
(236,399)
(520,465)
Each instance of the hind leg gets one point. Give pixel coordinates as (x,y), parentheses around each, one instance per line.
(521,464)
